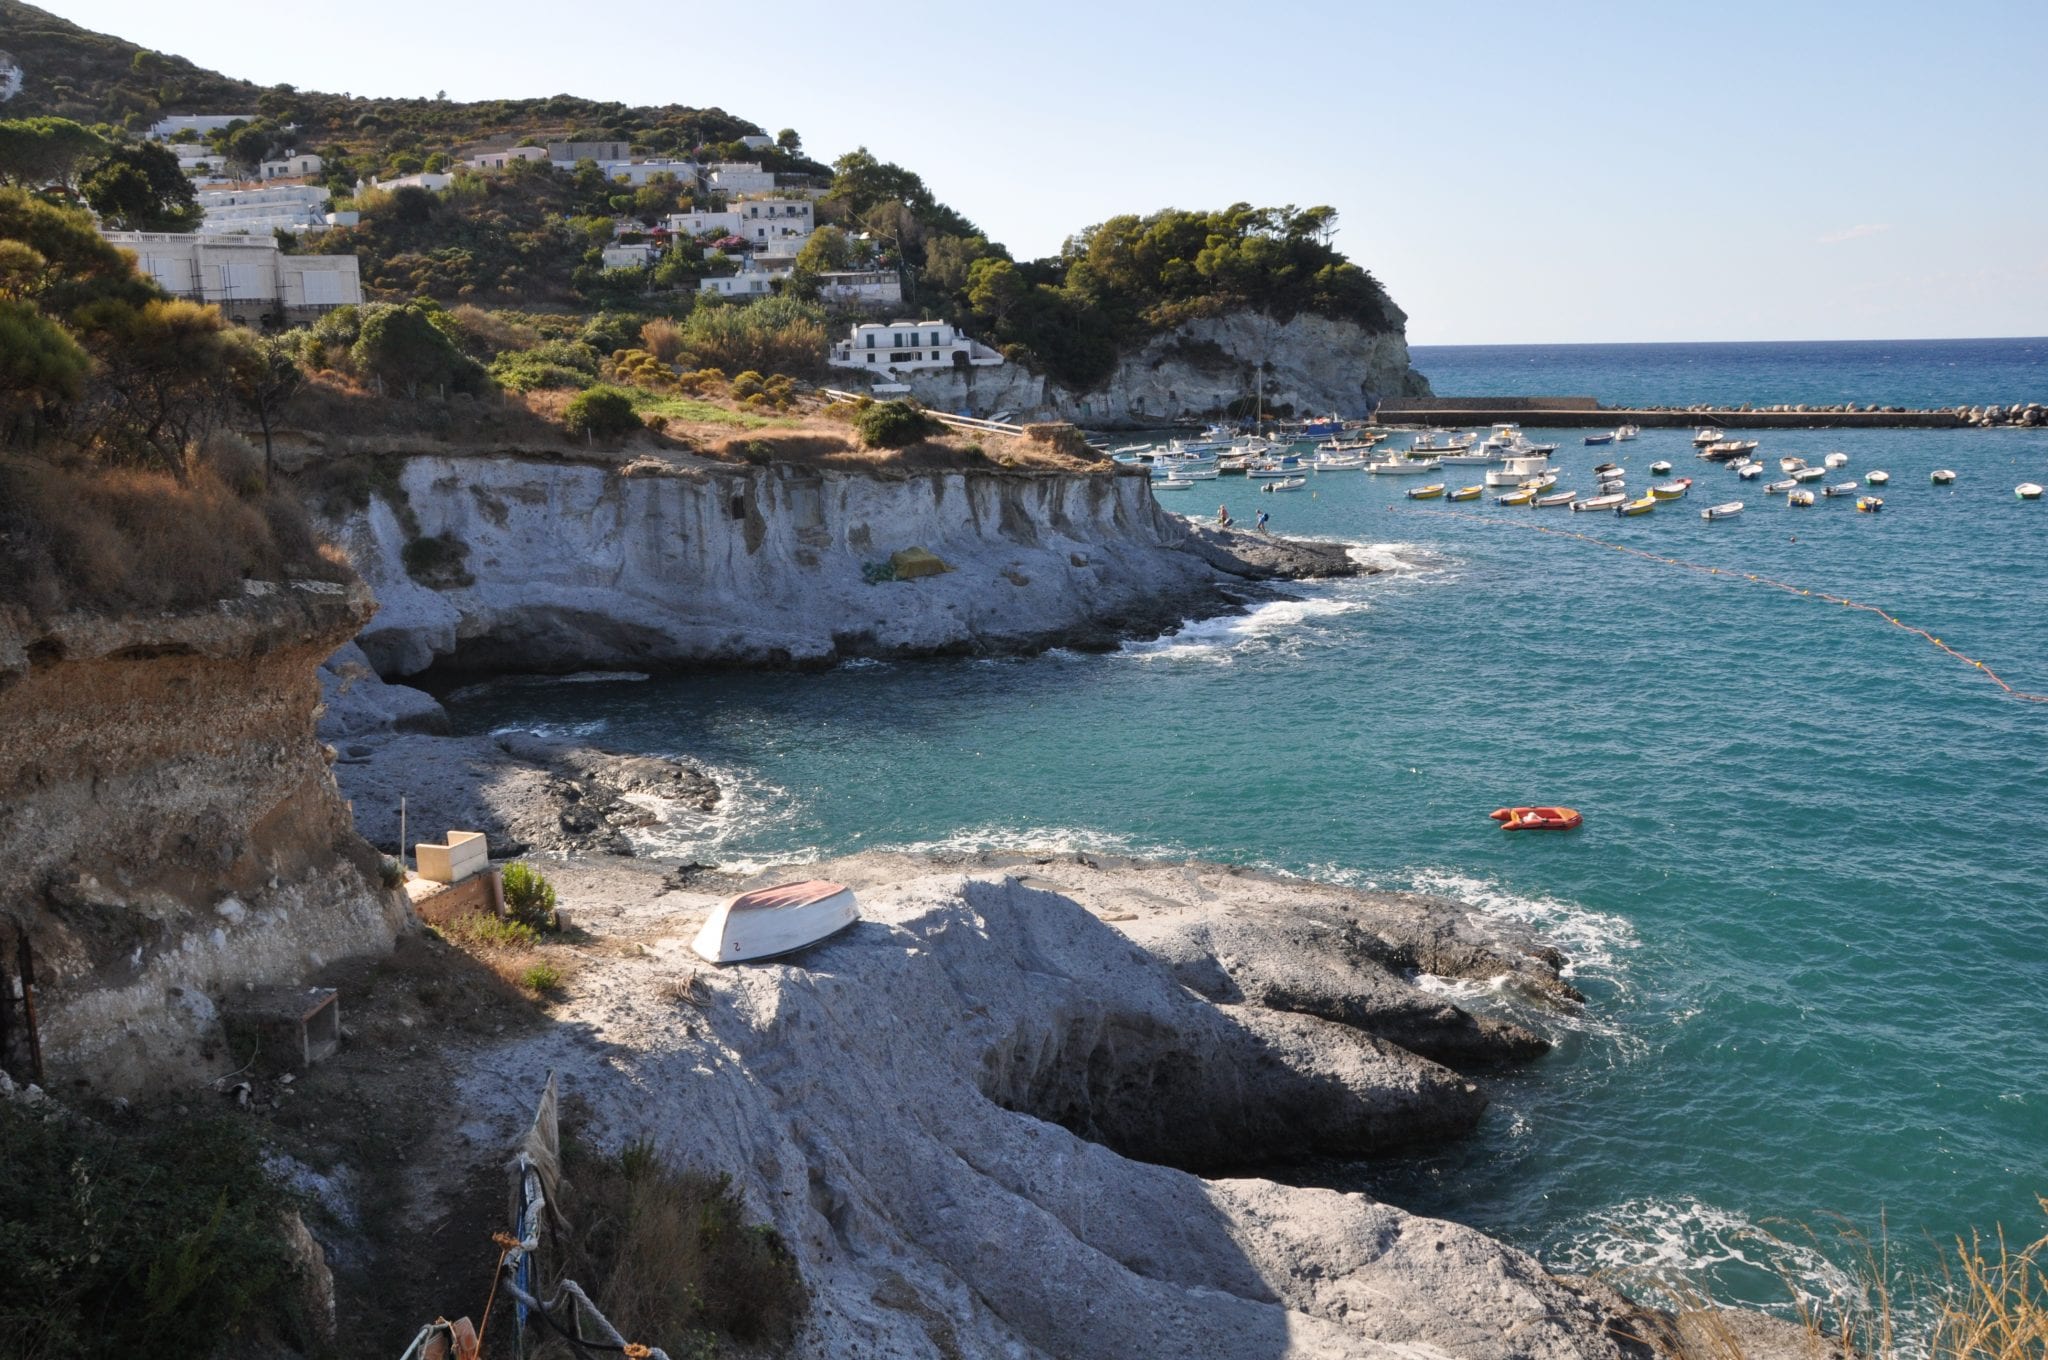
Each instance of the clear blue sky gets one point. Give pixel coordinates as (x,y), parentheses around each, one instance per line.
(1512,172)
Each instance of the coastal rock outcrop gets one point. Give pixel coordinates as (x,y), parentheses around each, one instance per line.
(1311,365)
(966,1114)
(566,566)
(169,831)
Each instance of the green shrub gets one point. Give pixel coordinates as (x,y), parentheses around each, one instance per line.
(391,873)
(481,930)
(542,977)
(878,573)
(529,898)
(894,425)
(602,413)
(551,363)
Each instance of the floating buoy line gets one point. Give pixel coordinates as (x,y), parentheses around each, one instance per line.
(1734,575)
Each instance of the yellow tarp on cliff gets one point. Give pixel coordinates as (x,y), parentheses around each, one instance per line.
(912,563)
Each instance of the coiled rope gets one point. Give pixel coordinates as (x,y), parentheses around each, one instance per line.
(1732,574)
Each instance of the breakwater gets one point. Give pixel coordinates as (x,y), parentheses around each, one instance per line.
(1576,412)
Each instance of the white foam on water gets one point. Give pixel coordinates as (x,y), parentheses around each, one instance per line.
(556,731)
(1262,628)
(748,805)
(483,687)
(1593,942)
(1061,840)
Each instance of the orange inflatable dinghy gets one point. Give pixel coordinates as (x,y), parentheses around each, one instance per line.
(1537,818)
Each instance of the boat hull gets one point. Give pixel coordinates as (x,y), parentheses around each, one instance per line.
(771,922)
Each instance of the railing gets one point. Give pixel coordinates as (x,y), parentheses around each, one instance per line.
(957,422)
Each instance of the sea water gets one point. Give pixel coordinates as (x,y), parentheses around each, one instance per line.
(1807,907)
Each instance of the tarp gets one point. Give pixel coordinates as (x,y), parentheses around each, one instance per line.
(912,563)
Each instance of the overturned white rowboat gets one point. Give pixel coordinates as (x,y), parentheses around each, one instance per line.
(769,922)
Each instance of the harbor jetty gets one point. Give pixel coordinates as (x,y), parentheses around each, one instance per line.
(1579,411)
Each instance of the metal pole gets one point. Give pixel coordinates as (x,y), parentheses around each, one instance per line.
(401,833)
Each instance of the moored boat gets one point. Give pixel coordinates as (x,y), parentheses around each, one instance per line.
(1326,462)
(1750,471)
(1708,434)
(1426,493)
(1877,478)
(1172,484)
(1942,476)
(1728,450)
(1836,460)
(1841,489)
(1801,499)
(1809,474)
(769,922)
(2028,491)
(1869,505)
(1404,467)
(1516,470)
(1791,463)
(1628,432)
(1536,818)
(1780,488)
(1286,484)
(1554,499)
(1607,438)
(1661,468)
(1522,497)
(1671,491)
(1465,493)
(1725,510)
(1610,500)
(1642,505)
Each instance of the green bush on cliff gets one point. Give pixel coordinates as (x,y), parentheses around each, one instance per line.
(603,412)
(894,425)
(529,898)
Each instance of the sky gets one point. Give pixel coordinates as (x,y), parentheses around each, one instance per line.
(1513,173)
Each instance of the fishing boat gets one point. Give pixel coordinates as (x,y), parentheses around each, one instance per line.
(1809,474)
(1942,476)
(1611,500)
(1517,470)
(1539,485)
(1607,438)
(1791,463)
(1750,471)
(1554,499)
(1628,432)
(1661,468)
(1197,472)
(1426,493)
(1172,484)
(1708,434)
(1286,484)
(1869,505)
(1465,493)
(1725,510)
(1542,450)
(1270,468)
(1728,450)
(1801,499)
(1642,505)
(1404,467)
(769,922)
(1522,497)
(1841,489)
(1326,462)
(1780,488)
(1536,818)
(1671,491)
(2028,491)
(1877,478)
(1836,460)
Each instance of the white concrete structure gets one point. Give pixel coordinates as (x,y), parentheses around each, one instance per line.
(908,346)
(291,166)
(636,256)
(704,223)
(637,173)
(498,160)
(10,79)
(201,123)
(566,154)
(432,183)
(248,277)
(862,287)
(757,142)
(258,212)
(774,219)
(738,177)
(754,280)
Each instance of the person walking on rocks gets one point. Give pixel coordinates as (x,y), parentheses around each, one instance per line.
(1263,517)
(1223,517)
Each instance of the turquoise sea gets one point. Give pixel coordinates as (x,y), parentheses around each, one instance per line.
(1807,906)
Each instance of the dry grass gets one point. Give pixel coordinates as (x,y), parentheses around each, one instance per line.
(1995,1306)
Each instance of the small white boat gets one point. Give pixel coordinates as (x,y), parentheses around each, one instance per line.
(1542,450)
(1943,477)
(1725,510)
(1835,460)
(1661,468)
(1841,489)
(1809,474)
(1326,462)
(2028,491)
(1539,485)
(1779,488)
(1610,500)
(1172,484)
(1194,472)
(1708,434)
(1554,499)
(1671,491)
(1286,484)
(1802,499)
(1729,450)
(769,922)
(1641,506)
(1517,470)
(1750,471)
(1404,467)
(1628,432)
(1791,463)
(1607,438)
(1877,478)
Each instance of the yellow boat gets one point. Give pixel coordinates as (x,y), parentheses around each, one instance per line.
(1671,491)
(1637,507)
(1465,493)
(1427,493)
(1522,497)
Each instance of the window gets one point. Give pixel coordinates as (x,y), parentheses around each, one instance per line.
(935,340)
(871,358)
(871,342)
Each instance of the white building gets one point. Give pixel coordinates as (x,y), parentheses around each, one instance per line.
(908,346)
(432,183)
(738,177)
(862,287)
(636,256)
(637,173)
(291,167)
(757,142)
(704,223)
(248,277)
(258,212)
(201,123)
(754,280)
(10,79)
(498,160)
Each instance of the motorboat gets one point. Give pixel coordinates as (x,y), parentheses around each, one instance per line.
(1465,493)
(1728,450)
(1536,818)
(1466,455)
(1327,462)
(1196,472)
(1791,463)
(1233,463)
(1869,505)
(1628,432)
(1836,460)
(1614,483)
(1877,478)
(1749,471)
(769,922)
(1611,500)
(1404,467)
(1841,489)
(1268,468)
(1607,438)
(1725,510)
(1426,493)
(1522,497)
(1286,484)
(1602,469)
(1942,477)
(1780,488)
(1543,449)
(1661,468)
(1641,505)
(1671,491)
(2028,491)
(1539,485)
(1172,484)
(1554,499)
(1516,470)
(1801,499)
(1708,434)
(1809,474)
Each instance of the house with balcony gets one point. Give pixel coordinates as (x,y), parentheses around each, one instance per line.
(910,347)
(756,279)
(260,211)
(291,166)
(861,288)
(637,255)
(738,177)
(499,159)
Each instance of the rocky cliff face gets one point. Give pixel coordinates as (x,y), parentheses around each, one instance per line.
(569,566)
(168,828)
(1313,366)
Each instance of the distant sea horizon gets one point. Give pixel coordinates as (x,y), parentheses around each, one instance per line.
(1911,373)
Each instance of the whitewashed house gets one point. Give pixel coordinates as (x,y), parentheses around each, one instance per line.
(433,183)
(756,279)
(636,256)
(258,212)
(637,173)
(291,166)
(910,346)
(248,277)
(738,177)
(201,123)
(757,142)
(862,287)
(498,160)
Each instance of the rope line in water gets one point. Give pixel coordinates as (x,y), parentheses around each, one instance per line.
(1786,586)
